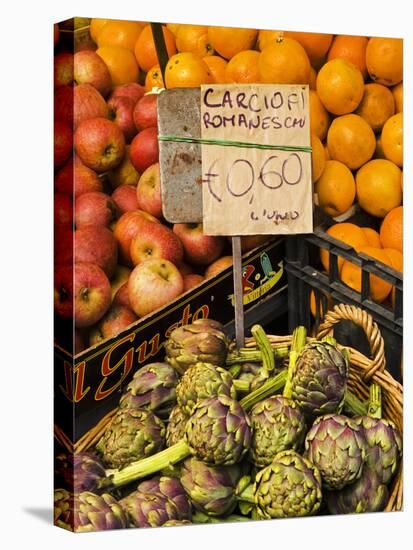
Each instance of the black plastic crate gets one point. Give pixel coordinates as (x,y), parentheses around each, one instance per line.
(305,274)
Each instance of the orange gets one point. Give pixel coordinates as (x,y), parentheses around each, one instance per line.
(397,92)
(378,186)
(373,238)
(327,152)
(173,27)
(391,230)
(376,106)
(313,79)
(335,188)
(154,79)
(352,48)
(193,38)
(323,308)
(228,41)
(316,44)
(96,25)
(384,60)
(284,62)
(319,116)
(340,86)
(216,66)
(345,232)
(145,50)
(351,140)
(395,258)
(318,159)
(186,70)
(120,33)
(378,153)
(121,64)
(392,139)
(351,274)
(266,37)
(243,68)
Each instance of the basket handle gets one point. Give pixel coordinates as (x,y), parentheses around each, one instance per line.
(365,321)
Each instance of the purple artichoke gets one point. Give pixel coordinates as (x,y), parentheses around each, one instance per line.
(81,472)
(172,489)
(175,429)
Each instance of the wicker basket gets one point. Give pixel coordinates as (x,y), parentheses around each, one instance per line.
(363,371)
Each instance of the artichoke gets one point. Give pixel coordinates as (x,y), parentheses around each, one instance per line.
(277,425)
(200,381)
(203,341)
(336,445)
(367,494)
(249,372)
(148,509)
(152,388)
(176,522)
(175,429)
(211,488)
(131,435)
(80,472)
(172,489)
(289,487)
(319,379)
(84,512)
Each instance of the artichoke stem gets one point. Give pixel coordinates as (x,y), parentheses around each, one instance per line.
(374,409)
(264,345)
(298,342)
(150,465)
(234,370)
(253,356)
(272,386)
(353,404)
(242,386)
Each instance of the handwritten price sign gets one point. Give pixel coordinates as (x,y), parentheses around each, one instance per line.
(256,159)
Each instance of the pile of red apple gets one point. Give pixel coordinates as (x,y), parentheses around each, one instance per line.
(116,258)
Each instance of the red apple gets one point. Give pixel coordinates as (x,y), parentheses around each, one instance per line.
(63,209)
(249,242)
(63,181)
(127,227)
(124,174)
(63,69)
(100,144)
(218,266)
(145,113)
(156,241)
(121,112)
(63,104)
(122,296)
(152,284)
(85,180)
(125,198)
(89,68)
(95,208)
(184,269)
(116,319)
(144,149)
(56,34)
(191,280)
(91,294)
(63,291)
(63,143)
(148,191)
(200,249)
(96,244)
(133,90)
(63,244)
(119,278)
(88,103)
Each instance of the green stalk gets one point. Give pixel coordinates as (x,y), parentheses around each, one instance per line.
(298,342)
(235,370)
(246,355)
(354,405)
(330,340)
(264,346)
(242,386)
(272,386)
(150,465)
(374,409)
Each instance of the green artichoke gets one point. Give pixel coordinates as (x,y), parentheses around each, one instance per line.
(86,512)
(172,489)
(200,381)
(131,435)
(289,487)
(336,445)
(319,379)
(277,425)
(152,388)
(249,372)
(203,341)
(148,509)
(176,522)
(211,488)
(175,429)
(80,472)
(367,494)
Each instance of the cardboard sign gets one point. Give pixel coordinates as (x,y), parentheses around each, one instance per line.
(256,159)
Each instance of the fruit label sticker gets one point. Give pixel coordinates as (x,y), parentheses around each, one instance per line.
(256,159)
